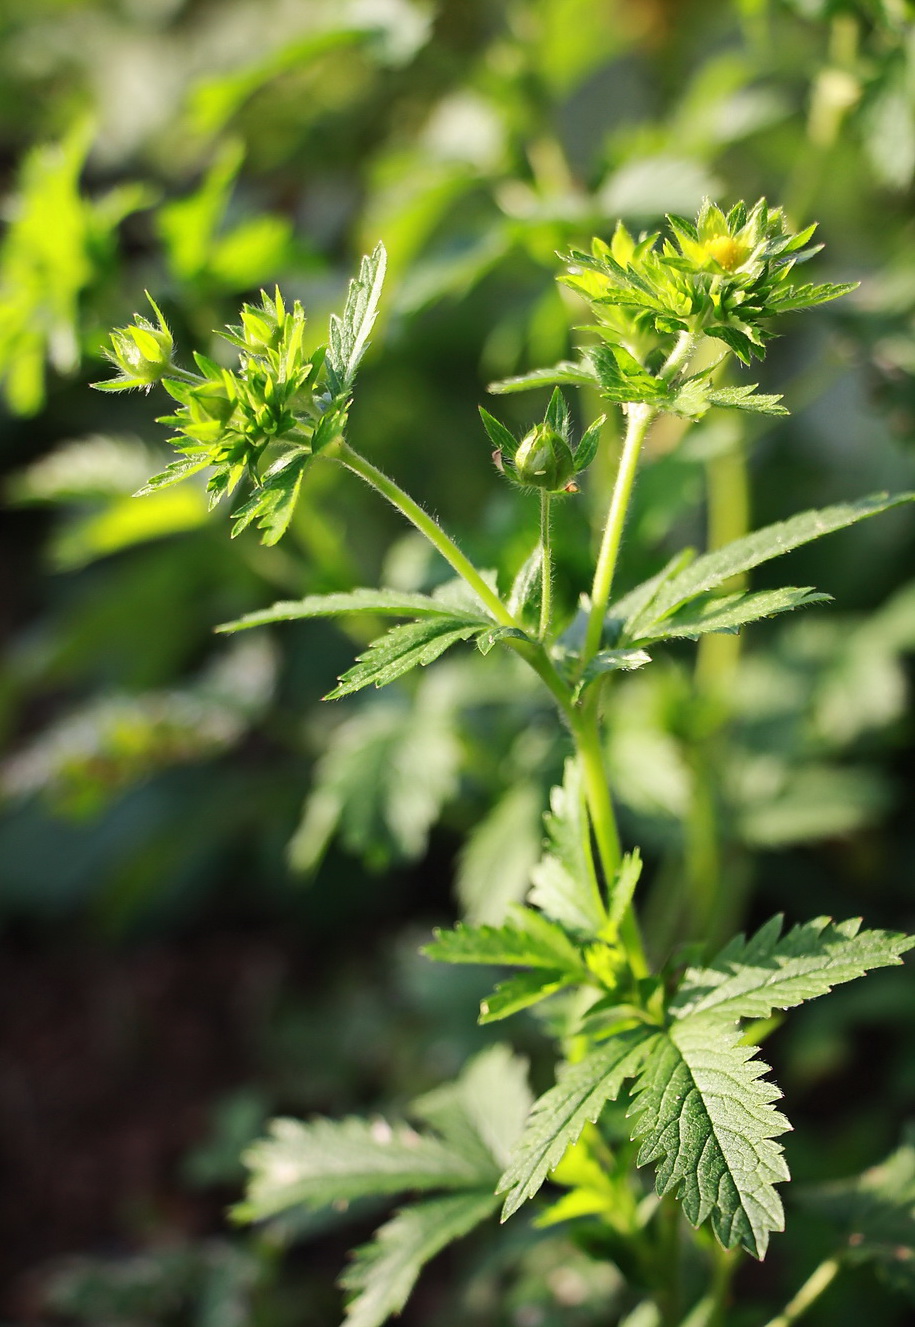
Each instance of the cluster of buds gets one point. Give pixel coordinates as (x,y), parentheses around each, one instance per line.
(724,275)
(545,459)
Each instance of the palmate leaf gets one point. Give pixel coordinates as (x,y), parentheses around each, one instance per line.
(713,569)
(728,613)
(559,1116)
(565,882)
(752,978)
(325,1161)
(385,1271)
(349,335)
(705,1116)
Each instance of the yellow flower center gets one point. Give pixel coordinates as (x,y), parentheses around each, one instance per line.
(726,251)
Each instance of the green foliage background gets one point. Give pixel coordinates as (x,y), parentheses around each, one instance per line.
(155,774)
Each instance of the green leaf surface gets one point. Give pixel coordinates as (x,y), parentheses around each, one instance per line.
(713,569)
(558,1117)
(499,854)
(522,991)
(752,978)
(394,603)
(349,335)
(611,661)
(746,398)
(527,940)
(325,1161)
(385,1271)
(398,651)
(705,1116)
(483,1112)
(581,374)
(728,613)
(273,501)
(564,881)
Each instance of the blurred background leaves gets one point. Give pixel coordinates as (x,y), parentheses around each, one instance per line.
(171,975)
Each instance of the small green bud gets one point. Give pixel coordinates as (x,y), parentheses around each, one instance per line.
(544,460)
(142,352)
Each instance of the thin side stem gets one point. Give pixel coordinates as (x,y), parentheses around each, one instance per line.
(534,654)
(546,565)
(426,524)
(818,1281)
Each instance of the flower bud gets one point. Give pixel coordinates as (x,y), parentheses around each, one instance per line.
(142,352)
(544,460)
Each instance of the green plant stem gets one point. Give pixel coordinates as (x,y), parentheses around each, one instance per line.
(546,564)
(426,524)
(818,1281)
(586,731)
(533,653)
(639,419)
(728,498)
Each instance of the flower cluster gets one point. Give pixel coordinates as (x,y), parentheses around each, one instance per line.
(724,275)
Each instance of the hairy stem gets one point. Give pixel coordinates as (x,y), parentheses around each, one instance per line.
(586,731)
(818,1281)
(546,565)
(640,417)
(532,653)
(426,524)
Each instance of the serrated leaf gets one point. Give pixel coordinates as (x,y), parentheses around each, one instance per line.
(325,1161)
(564,881)
(173,473)
(728,613)
(396,603)
(622,378)
(273,501)
(491,636)
(349,335)
(622,888)
(483,1112)
(522,991)
(498,855)
(806,297)
(752,978)
(385,1271)
(581,374)
(380,783)
(713,569)
(705,1116)
(611,661)
(746,398)
(524,599)
(559,1116)
(875,1212)
(413,645)
(634,606)
(527,940)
